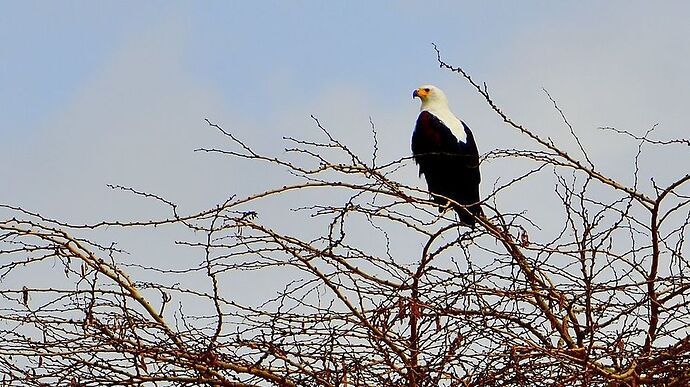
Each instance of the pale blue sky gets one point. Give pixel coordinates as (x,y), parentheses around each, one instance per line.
(52,50)
(93,93)
(127,85)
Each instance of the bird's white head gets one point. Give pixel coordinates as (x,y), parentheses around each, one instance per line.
(435,102)
(432,97)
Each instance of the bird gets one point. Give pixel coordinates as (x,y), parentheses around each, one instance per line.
(444,148)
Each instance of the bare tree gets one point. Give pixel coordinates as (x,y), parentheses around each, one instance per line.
(388,293)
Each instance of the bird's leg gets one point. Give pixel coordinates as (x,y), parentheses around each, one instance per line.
(445,208)
(442,211)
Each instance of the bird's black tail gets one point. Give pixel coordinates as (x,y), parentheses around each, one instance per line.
(467,214)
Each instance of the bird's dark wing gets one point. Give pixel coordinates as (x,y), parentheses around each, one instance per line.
(450,167)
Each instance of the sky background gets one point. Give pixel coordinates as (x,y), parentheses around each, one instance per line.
(97,93)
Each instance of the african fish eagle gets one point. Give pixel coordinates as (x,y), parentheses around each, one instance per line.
(444,148)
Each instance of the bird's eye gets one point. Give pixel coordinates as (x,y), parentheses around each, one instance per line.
(426,89)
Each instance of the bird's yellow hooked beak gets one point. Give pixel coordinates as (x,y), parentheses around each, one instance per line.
(421,93)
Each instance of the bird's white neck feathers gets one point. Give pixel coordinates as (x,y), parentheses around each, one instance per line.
(437,104)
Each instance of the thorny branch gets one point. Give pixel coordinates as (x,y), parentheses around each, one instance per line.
(367,284)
